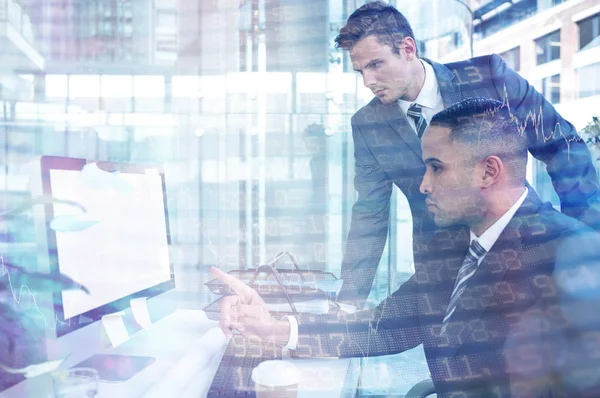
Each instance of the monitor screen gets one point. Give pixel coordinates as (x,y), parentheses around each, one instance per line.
(118,248)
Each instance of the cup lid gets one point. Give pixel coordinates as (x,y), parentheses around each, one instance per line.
(275,373)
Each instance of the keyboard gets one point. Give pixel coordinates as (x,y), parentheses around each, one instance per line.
(233,376)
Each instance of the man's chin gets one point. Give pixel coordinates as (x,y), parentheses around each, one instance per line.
(442,222)
(386,100)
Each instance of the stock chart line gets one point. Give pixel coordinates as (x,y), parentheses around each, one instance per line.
(19,297)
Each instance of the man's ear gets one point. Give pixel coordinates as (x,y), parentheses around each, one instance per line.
(410,47)
(492,170)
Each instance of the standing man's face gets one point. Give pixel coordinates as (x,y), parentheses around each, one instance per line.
(386,74)
(450,181)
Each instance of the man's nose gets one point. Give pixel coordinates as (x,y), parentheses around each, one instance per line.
(369,80)
(425,186)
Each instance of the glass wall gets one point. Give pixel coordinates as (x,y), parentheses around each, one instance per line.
(443,28)
(251,117)
(245,104)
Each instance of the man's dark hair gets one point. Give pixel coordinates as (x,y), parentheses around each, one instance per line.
(487,128)
(375,18)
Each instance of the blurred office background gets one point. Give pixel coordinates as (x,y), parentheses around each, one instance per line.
(247,106)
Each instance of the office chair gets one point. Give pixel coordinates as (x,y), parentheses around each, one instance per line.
(422,389)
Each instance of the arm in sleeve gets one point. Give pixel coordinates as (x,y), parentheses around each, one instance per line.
(577,275)
(369,226)
(554,141)
(390,328)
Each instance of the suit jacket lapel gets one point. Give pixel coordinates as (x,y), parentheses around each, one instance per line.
(504,255)
(393,115)
(489,274)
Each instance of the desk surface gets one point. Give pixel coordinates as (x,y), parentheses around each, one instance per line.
(188,348)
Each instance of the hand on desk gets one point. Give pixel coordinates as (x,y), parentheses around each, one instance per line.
(247,313)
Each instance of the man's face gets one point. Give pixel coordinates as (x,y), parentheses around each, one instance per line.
(386,74)
(451,179)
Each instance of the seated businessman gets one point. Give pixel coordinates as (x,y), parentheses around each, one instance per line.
(464,299)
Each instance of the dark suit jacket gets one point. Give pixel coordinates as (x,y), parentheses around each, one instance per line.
(514,275)
(554,349)
(387,152)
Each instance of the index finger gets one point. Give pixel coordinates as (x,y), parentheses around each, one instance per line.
(234,283)
(228,313)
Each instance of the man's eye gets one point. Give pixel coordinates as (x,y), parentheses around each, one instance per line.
(435,168)
(376,64)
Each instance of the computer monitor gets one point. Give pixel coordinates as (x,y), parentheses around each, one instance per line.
(109,232)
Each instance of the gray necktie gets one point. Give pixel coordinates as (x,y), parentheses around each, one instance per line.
(468,268)
(415,111)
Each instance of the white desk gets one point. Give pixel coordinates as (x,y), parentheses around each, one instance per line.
(188,348)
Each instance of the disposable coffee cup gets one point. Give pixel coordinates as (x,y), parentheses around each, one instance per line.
(276,379)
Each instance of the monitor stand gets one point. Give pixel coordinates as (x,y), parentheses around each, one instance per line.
(114,368)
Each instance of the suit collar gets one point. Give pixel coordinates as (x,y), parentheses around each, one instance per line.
(449,90)
(489,237)
(531,206)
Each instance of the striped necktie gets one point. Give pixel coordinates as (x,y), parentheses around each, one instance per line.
(415,111)
(468,268)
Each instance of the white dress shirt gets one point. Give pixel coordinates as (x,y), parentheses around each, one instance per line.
(486,240)
(429,98)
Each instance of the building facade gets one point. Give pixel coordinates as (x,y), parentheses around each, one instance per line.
(555,45)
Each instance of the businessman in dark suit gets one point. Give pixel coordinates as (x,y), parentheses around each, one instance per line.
(409,90)
(471,289)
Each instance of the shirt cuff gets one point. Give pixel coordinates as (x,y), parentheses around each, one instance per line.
(293,341)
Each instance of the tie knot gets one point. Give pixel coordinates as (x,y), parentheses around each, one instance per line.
(476,249)
(415,109)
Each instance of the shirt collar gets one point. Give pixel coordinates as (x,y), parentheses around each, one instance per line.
(429,92)
(491,235)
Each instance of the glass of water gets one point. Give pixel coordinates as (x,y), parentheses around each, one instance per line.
(75,383)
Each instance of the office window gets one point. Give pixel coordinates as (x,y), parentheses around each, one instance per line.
(127,13)
(84,86)
(116,86)
(548,47)
(185,87)
(588,80)
(57,86)
(514,14)
(513,58)
(149,86)
(166,20)
(551,88)
(589,32)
